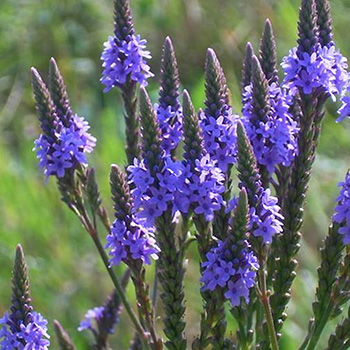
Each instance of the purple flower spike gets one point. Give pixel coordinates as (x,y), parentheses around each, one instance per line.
(233,271)
(325,69)
(124,59)
(132,235)
(91,316)
(32,336)
(274,139)
(67,149)
(220,136)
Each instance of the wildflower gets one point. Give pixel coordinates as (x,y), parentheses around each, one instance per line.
(65,139)
(129,239)
(231,269)
(66,148)
(273,138)
(23,328)
(124,59)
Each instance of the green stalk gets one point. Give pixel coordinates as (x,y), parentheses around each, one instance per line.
(243,339)
(85,220)
(264,298)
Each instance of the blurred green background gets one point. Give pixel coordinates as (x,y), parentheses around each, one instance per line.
(66,275)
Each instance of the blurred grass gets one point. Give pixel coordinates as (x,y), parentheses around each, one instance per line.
(67,277)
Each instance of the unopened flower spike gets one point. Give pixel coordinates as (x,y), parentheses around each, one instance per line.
(152,152)
(59,94)
(218,121)
(124,56)
(307,28)
(231,266)
(102,320)
(65,139)
(44,105)
(64,340)
(268,53)
(193,137)
(269,124)
(330,293)
(123,22)
(155,178)
(219,129)
(22,328)
(247,67)
(169,109)
(266,219)
(201,182)
(324,23)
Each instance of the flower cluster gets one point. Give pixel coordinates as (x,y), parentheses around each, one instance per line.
(273,139)
(199,188)
(219,133)
(32,335)
(342,210)
(96,318)
(93,315)
(266,218)
(170,124)
(123,59)
(325,68)
(65,148)
(130,240)
(152,193)
(232,271)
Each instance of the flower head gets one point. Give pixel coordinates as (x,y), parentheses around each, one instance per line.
(124,59)
(132,235)
(220,136)
(32,335)
(274,138)
(23,328)
(231,270)
(66,149)
(325,70)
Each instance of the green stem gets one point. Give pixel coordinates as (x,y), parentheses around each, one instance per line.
(264,298)
(84,218)
(259,321)
(242,338)
(155,288)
